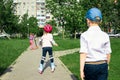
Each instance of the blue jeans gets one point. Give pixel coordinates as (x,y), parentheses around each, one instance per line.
(96,71)
(44,52)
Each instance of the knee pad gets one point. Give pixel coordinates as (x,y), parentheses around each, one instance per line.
(43,58)
(50,57)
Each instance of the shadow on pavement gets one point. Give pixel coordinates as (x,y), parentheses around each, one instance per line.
(74,77)
(6,71)
(47,64)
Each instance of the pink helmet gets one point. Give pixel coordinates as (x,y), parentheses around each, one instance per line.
(47,28)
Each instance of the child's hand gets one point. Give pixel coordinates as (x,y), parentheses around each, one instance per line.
(108,67)
(56,44)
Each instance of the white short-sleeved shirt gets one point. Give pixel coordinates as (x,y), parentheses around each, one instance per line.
(95,43)
(47,40)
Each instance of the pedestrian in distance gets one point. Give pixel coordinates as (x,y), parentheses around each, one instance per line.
(35,41)
(31,40)
(95,48)
(46,41)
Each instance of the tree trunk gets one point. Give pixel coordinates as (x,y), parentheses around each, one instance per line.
(75,35)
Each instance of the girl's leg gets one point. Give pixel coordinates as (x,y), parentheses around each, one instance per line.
(44,51)
(31,44)
(51,59)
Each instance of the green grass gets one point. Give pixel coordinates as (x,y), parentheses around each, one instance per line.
(66,44)
(10,50)
(114,72)
(72,63)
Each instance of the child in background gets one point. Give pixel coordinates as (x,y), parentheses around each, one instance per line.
(31,40)
(46,41)
(35,41)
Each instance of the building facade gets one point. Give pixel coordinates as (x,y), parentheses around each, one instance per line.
(41,12)
(25,6)
(35,8)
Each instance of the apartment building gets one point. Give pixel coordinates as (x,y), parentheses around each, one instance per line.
(34,8)
(41,12)
(25,6)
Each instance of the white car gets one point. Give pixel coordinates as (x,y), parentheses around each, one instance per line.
(118,35)
(114,35)
(4,35)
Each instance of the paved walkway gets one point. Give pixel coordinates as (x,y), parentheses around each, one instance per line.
(26,67)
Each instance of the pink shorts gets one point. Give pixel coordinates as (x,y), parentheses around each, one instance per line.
(31,42)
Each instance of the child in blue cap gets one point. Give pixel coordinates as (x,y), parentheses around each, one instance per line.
(95,49)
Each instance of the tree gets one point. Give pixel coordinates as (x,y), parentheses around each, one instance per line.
(73,12)
(12,23)
(28,25)
(68,13)
(2,12)
(33,28)
(23,25)
(9,21)
(110,10)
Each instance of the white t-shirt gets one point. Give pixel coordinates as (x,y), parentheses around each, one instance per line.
(95,43)
(47,40)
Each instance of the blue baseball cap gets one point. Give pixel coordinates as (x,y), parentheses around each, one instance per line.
(94,14)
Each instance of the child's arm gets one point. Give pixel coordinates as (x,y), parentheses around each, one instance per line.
(40,41)
(53,41)
(82,64)
(108,60)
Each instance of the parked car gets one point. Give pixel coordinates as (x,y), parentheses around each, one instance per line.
(118,35)
(114,35)
(77,35)
(4,35)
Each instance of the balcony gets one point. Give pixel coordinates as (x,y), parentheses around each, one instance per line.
(39,1)
(16,1)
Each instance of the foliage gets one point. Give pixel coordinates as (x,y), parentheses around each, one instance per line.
(110,10)
(14,24)
(28,25)
(68,14)
(33,25)
(8,19)
(24,26)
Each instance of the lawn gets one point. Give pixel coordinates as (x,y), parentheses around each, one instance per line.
(64,44)
(10,50)
(114,72)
